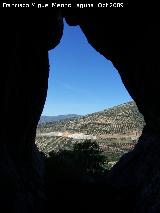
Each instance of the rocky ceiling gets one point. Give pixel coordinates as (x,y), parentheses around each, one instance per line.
(130,39)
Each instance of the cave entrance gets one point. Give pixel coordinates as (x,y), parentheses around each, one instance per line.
(83,83)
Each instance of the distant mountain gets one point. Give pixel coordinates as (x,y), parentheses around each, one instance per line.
(46,119)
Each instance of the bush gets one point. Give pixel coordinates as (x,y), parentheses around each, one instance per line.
(83,162)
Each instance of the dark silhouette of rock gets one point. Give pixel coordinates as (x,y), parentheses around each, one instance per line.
(130,39)
(25,40)
(131,42)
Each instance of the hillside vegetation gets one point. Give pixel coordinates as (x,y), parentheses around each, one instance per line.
(115,130)
(121,119)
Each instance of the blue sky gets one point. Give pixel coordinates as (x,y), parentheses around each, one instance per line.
(81,80)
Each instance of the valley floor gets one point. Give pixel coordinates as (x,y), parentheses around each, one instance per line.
(112,145)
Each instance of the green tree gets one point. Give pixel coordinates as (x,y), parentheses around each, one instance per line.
(83,162)
(89,157)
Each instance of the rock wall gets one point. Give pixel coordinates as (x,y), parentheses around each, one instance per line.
(25,39)
(131,41)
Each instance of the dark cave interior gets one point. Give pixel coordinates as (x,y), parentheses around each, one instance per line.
(131,41)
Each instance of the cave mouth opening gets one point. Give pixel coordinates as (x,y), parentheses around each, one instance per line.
(82,86)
